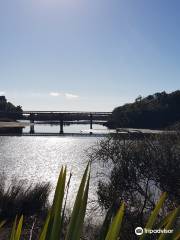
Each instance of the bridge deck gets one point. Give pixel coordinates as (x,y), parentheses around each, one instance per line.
(68,112)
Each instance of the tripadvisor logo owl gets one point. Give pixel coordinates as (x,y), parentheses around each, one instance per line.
(139,231)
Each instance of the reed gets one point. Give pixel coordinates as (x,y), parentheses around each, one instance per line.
(53,226)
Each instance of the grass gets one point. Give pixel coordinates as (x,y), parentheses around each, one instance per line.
(53,226)
(21,199)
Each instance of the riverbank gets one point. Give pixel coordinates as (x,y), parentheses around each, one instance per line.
(45,129)
(54,134)
(11,124)
(11,127)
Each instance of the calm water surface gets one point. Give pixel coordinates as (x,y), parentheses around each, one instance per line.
(39,159)
(73,128)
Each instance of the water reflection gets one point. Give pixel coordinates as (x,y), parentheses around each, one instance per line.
(72,128)
(38,159)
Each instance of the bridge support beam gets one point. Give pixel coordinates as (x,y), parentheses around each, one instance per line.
(61,127)
(61,124)
(91,122)
(32,124)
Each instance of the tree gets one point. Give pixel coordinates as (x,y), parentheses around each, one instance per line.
(138,99)
(9,110)
(157,111)
(140,169)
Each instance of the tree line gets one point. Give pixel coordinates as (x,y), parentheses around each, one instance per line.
(8,110)
(157,111)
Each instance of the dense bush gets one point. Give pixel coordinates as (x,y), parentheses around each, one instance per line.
(175,126)
(140,171)
(19,199)
(8,110)
(53,228)
(154,111)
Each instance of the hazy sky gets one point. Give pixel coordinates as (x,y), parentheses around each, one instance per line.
(87,54)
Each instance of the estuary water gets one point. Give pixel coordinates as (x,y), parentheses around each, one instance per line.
(72,128)
(38,159)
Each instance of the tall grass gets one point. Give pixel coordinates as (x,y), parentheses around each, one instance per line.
(20,198)
(53,226)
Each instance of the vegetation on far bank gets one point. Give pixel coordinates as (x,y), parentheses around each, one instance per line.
(157,111)
(8,111)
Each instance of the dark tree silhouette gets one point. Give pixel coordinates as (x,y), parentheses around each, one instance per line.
(157,111)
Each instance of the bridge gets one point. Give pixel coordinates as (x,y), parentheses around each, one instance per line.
(68,112)
(62,117)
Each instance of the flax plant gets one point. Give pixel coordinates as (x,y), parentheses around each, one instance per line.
(52,229)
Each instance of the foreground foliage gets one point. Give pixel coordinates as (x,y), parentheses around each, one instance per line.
(21,198)
(137,171)
(52,229)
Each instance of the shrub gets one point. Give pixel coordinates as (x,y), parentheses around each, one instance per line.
(19,198)
(53,227)
(140,170)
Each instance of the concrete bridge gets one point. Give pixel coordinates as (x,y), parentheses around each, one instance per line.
(62,117)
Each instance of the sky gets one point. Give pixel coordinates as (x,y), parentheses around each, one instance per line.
(87,54)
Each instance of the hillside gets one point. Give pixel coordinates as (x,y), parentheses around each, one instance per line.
(8,110)
(157,111)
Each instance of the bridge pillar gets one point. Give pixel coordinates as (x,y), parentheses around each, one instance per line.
(91,122)
(61,125)
(32,124)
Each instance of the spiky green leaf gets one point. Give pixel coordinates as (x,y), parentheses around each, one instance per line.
(2,224)
(57,197)
(56,227)
(154,214)
(115,226)
(13,231)
(45,228)
(19,229)
(80,218)
(170,225)
(77,206)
